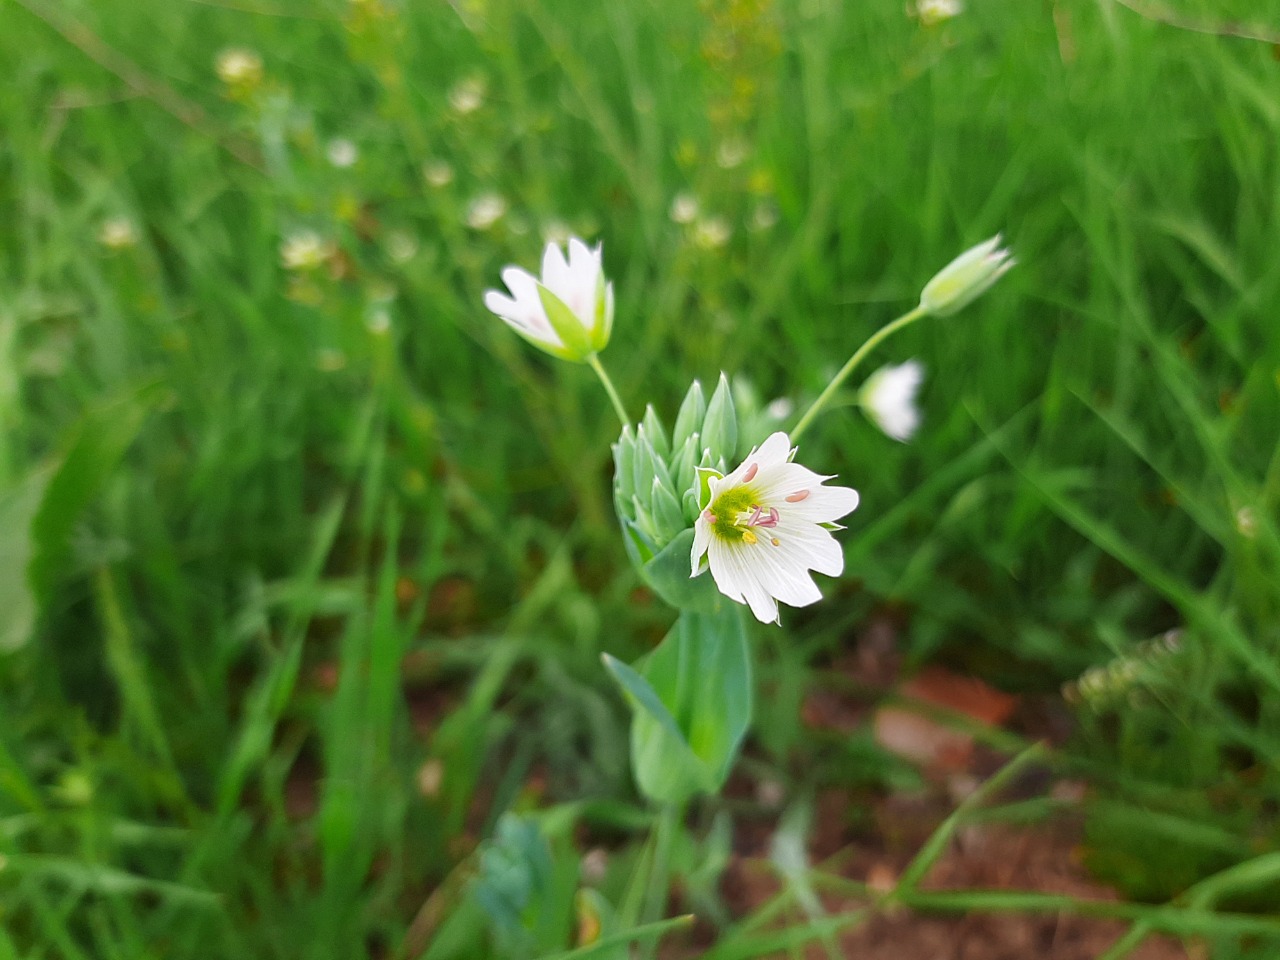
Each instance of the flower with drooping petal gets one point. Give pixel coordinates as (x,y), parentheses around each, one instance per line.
(764,526)
(966,278)
(569,312)
(889,398)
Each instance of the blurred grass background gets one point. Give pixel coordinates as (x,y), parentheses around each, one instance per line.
(320,560)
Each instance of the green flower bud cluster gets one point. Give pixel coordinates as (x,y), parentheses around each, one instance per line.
(657,474)
(1126,676)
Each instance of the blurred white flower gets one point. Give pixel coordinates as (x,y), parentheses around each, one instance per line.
(342,153)
(1247,522)
(568,313)
(712,232)
(304,250)
(467,96)
(486,210)
(684,208)
(966,278)
(780,409)
(117,233)
(732,152)
(401,246)
(889,398)
(764,526)
(764,216)
(238,67)
(933,12)
(437,173)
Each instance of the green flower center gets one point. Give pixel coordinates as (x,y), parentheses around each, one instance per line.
(725,511)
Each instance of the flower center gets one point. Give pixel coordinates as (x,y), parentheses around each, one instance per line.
(736,516)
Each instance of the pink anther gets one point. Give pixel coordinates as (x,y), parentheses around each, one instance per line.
(708,515)
(756,520)
(751,472)
(797,496)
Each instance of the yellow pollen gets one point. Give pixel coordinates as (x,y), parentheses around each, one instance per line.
(775,541)
(748,536)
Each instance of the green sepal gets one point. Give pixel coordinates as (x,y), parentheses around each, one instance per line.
(624,456)
(683,465)
(720,425)
(644,463)
(689,420)
(665,509)
(577,342)
(656,432)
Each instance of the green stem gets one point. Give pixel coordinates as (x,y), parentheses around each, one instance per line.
(659,886)
(594,362)
(859,355)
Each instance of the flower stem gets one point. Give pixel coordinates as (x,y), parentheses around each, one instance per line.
(609,388)
(858,356)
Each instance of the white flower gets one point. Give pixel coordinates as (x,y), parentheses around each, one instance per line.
(117,233)
(765,526)
(467,96)
(342,153)
(239,67)
(569,312)
(712,232)
(889,398)
(731,153)
(966,278)
(684,208)
(437,173)
(304,250)
(931,12)
(486,210)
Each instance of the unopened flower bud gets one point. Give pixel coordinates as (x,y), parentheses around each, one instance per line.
(966,278)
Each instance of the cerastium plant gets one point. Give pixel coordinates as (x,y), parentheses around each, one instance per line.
(690,503)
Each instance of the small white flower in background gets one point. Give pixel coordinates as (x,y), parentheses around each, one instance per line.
(117,233)
(402,246)
(889,398)
(763,217)
(467,96)
(684,208)
(764,526)
(569,312)
(304,250)
(1247,522)
(712,232)
(780,408)
(342,153)
(966,278)
(933,12)
(732,152)
(238,67)
(437,173)
(486,210)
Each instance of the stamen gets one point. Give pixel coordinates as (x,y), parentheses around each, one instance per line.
(748,536)
(775,541)
(797,496)
(709,515)
(751,472)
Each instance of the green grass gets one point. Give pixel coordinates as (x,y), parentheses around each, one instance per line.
(294,541)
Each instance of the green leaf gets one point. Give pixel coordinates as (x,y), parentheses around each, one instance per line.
(667,574)
(665,767)
(691,703)
(18,507)
(103,436)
